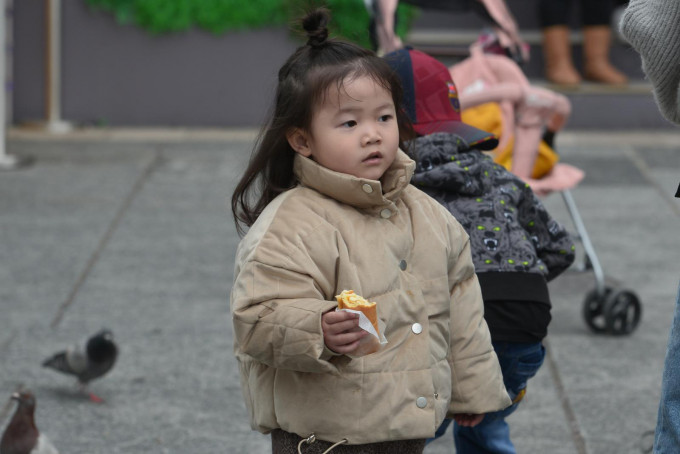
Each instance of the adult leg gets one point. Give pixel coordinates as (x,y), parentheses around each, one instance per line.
(667,436)
(597,37)
(388,41)
(519,362)
(559,66)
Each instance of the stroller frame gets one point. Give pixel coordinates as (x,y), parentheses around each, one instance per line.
(606,309)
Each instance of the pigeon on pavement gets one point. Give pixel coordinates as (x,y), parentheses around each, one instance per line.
(87,362)
(21,435)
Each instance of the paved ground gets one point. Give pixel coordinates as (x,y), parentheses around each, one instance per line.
(133,231)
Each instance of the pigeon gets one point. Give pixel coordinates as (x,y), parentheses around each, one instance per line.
(21,435)
(87,362)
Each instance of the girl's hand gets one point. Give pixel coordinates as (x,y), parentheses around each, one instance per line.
(467,419)
(341,331)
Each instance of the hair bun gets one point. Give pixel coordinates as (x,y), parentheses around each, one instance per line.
(315,25)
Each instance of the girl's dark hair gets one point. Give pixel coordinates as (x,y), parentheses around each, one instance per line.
(302,84)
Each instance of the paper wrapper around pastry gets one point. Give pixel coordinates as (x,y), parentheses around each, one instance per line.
(368,321)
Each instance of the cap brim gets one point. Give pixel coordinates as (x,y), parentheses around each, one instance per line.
(475,138)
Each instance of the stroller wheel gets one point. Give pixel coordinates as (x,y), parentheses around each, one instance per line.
(622,312)
(593,310)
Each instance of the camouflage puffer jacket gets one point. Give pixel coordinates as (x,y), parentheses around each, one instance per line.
(510,229)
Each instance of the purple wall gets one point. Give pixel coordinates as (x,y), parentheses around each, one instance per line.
(121,75)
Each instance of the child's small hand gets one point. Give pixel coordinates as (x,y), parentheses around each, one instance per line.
(468,419)
(341,331)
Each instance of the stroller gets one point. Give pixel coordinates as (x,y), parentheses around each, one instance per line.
(496,96)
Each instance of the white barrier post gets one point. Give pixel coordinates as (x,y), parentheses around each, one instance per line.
(7,161)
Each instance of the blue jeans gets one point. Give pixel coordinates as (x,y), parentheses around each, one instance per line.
(667,436)
(519,362)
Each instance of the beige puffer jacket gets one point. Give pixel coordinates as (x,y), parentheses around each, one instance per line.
(400,249)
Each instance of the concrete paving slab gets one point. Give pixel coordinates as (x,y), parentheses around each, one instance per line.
(613,383)
(167,303)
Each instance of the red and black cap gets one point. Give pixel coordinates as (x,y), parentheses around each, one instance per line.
(431,99)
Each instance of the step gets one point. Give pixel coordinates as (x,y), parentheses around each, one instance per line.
(601,106)
(525,13)
(460,37)
(454,50)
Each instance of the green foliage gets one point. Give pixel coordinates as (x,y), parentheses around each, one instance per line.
(350,18)
(406,14)
(217,16)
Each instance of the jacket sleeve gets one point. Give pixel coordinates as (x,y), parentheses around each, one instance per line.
(553,243)
(653,29)
(276,308)
(476,378)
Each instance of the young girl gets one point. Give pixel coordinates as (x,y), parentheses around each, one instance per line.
(329,207)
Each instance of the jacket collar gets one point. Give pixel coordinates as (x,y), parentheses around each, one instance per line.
(358,192)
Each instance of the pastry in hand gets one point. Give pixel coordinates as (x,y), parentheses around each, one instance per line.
(350,300)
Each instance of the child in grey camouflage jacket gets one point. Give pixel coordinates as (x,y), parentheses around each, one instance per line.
(516,245)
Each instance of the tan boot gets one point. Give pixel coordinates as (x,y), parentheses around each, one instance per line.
(559,67)
(596,66)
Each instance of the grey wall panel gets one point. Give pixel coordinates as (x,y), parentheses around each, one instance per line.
(122,75)
(28,60)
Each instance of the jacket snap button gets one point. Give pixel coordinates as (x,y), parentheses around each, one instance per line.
(402,265)
(385,213)
(367,188)
(417,328)
(421,402)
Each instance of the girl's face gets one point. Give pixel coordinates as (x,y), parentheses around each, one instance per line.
(353,131)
